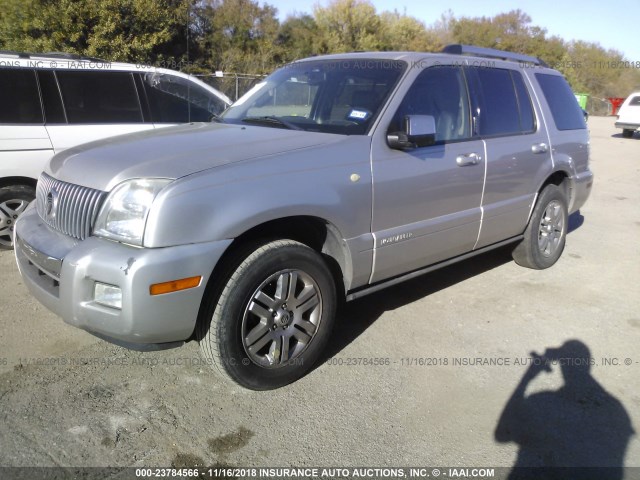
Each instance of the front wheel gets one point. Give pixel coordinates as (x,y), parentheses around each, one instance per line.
(13,201)
(269,325)
(546,234)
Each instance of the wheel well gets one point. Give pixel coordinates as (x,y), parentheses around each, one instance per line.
(10,181)
(560,179)
(316,233)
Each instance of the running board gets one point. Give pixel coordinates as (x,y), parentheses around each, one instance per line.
(416,273)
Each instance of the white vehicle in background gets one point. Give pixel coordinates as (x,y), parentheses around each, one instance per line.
(51,102)
(629,115)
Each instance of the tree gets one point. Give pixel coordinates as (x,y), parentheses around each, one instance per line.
(124,30)
(299,37)
(347,26)
(401,32)
(241,36)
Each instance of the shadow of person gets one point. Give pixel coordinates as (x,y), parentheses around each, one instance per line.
(580,426)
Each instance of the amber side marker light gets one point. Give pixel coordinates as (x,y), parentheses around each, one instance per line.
(174,285)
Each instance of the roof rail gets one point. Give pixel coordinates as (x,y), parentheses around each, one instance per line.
(61,55)
(68,56)
(491,53)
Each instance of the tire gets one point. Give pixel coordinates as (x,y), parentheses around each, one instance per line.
(546,234)
(13,201)
(627,133)
(260,334)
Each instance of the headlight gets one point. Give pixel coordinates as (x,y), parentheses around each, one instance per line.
(124,214)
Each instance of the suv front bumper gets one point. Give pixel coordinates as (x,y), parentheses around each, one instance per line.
(62,272)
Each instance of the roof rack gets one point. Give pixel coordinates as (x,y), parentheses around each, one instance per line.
(68,56)
(60,55)
(491,53)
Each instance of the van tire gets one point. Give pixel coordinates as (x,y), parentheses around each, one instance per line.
(627,133)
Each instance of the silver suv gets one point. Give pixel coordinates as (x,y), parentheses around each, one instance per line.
(332,179)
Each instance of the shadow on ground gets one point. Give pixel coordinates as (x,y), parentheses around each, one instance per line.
(579,431)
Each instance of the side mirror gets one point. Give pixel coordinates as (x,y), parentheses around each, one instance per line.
(419,131)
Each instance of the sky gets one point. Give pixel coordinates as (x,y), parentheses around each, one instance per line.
(613,25)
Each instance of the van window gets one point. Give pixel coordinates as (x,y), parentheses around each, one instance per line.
(99,97)
(51,100)
(442,93)
(173,99)
(635,101)
(527,119)
(19,97)
(498,103)
(567,114)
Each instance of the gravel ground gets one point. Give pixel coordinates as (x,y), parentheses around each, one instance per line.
(69,399)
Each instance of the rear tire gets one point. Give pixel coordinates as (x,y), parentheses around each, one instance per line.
(545,236)
(627,133)
(14,200)
(272,320)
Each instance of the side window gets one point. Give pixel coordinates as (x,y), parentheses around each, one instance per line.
(173,99)
(19,97)
(564,107)
(635,101)
(440,92)
(498,103)
(99,97)
(51,100)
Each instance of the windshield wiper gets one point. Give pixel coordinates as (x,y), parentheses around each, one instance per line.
(271,121)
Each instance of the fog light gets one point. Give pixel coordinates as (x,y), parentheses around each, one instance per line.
(107,295)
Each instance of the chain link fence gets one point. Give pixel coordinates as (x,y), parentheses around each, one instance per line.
(598,106)
(233,85)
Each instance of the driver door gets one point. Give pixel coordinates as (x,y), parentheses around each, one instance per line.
(427,201)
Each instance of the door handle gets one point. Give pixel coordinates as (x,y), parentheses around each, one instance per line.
(467,159)
(539,148)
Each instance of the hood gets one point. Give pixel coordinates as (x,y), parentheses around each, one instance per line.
(175,152)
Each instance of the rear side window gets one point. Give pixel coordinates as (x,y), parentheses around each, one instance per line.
(19,97)
(503,101)
(174,99)
(51,99)
(99,97)
(635,102)
(564,107)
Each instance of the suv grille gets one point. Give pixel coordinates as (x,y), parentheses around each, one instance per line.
(68,208)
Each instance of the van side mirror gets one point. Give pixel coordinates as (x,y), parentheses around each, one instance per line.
(419,131)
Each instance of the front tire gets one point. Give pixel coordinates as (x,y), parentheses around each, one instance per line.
(14,200)
(272,320)
(545,236)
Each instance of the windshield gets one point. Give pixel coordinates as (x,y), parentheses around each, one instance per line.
(337,96)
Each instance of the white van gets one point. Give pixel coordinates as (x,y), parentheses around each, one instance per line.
(50,102)
(629,115)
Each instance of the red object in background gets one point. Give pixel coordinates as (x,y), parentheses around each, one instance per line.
(615,104)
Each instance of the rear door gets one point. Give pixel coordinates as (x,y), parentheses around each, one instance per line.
(427,200)
(518,150)
(97,104)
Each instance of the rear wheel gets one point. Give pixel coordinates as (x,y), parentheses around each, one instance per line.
(627,133)
(545,236)
(13,201)
(270,323)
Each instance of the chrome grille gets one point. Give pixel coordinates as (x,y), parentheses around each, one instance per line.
(68,208)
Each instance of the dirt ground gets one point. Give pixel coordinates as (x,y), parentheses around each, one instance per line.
(69,399)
